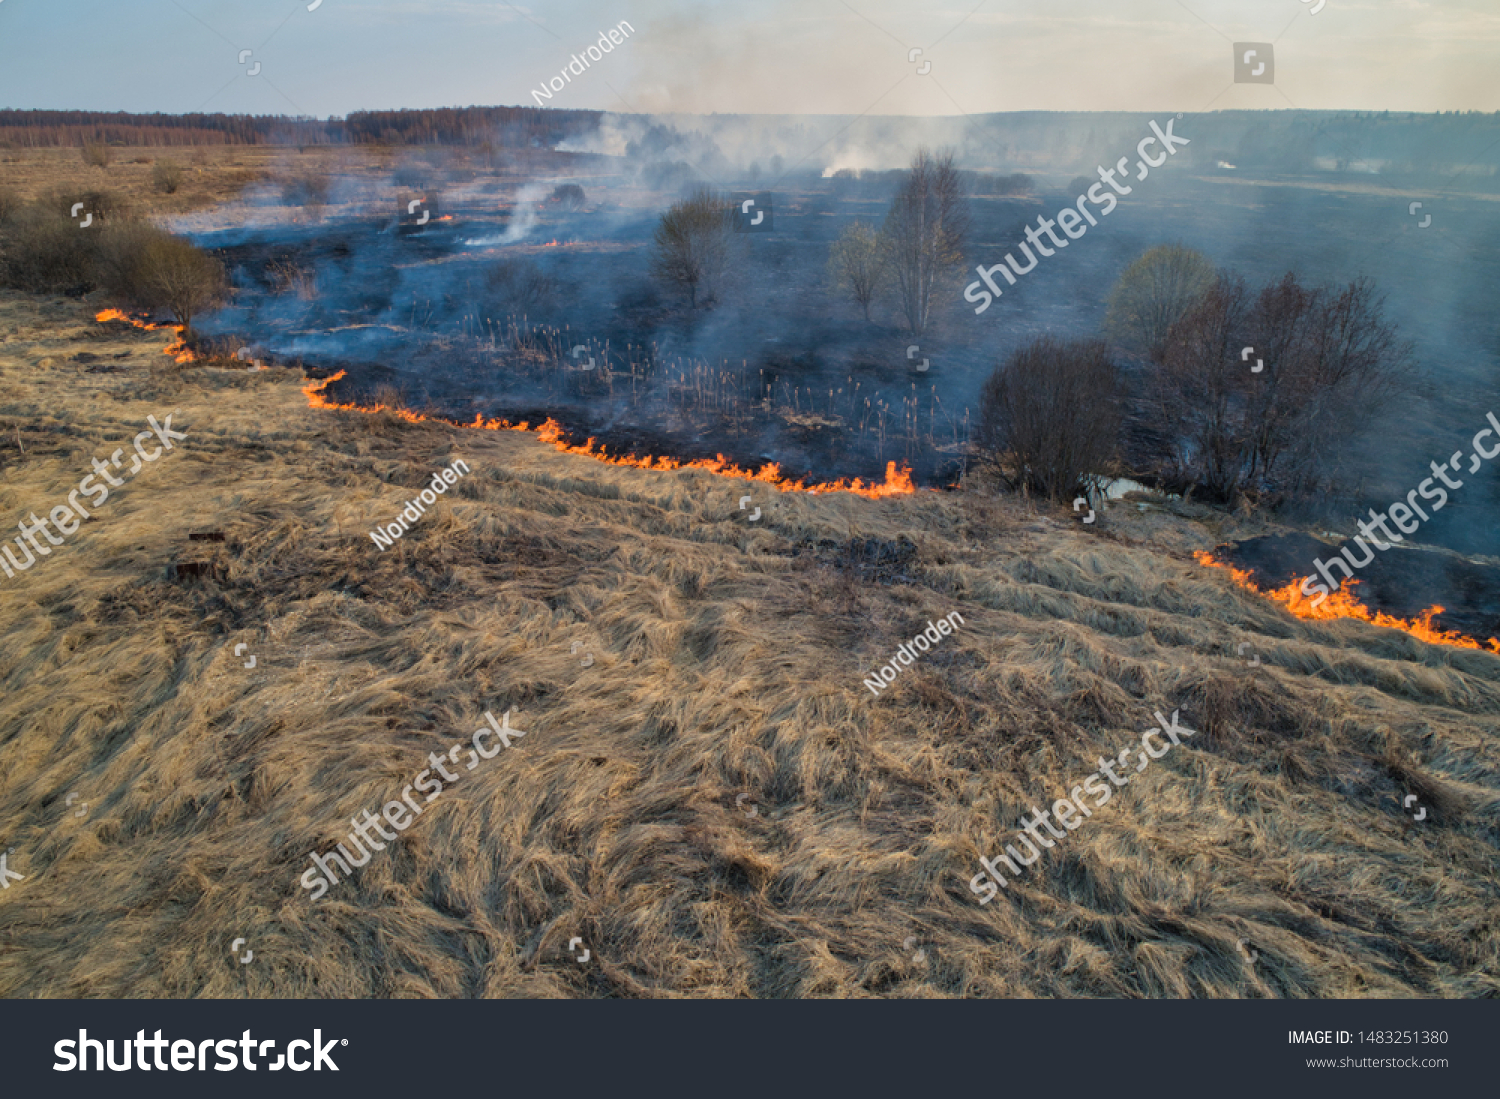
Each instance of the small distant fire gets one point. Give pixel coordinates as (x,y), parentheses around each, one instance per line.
(177,348)
(1342,603)
(897,481)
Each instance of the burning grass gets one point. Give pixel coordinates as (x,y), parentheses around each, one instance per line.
(897,481)
(178,348)
(1343,603)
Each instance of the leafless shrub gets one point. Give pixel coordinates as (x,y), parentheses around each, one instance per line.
(924,232)
(1049,417)
(150,269)
(44,252)
(166,176)
(696,243)
(517,283)
(97,155)
(104,205)
(1330,363)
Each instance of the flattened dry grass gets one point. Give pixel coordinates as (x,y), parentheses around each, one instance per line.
(727,660)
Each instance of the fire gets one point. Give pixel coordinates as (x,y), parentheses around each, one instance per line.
(1342,603)
(897,481)
(177,348)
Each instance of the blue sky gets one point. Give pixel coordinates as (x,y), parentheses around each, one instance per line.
(765,57)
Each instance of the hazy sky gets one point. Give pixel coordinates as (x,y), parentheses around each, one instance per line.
(761,57)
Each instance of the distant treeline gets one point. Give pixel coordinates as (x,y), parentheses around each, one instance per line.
(872,183)
(498,126)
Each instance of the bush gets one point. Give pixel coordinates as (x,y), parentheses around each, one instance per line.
(696,244)
(97,154)
(104,205)
(855,264)
(305,190)
(166,176)
(570,195)
(147,268)
(1330,360)
(1153,293)
(517,284)
(1049,417)
(42,253)
(10,205)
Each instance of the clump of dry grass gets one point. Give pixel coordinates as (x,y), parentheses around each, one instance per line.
(726,660)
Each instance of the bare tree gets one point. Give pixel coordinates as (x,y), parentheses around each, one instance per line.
(1199,401)
(924,232)
(1153,293)
(1328,362)
(1050,416)
(696,243)
(855,264)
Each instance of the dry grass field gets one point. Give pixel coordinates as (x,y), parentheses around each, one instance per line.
(727,660)
(212,174)
(220,177)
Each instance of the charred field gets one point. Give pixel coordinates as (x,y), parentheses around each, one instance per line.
(497,306)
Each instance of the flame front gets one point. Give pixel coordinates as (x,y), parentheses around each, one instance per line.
(897,481)
(177,348)
(1342,603)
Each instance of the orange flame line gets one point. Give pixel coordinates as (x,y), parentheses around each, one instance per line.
(177,349)
(897,481)
(1342,603)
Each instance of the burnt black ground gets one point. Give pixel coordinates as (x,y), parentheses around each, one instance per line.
(1401,581)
